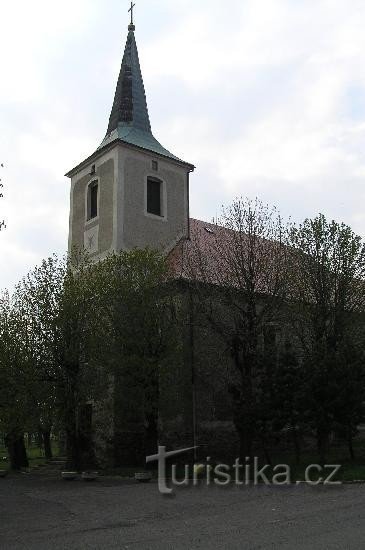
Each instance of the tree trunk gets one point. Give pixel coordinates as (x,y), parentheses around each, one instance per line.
(246,441)
(151,438)
(71,398)
(244,414)
(351,447)
(244,421)
(86,448)
(266,452)
(71,432)
(62,443)
(296,443)
(152,396)
(72,450)
(322,443)
(17,452)
(39,438)
(46,436)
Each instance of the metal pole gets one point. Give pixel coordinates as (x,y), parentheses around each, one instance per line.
(193,377)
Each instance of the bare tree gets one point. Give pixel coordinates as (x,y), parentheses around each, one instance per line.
(239,271)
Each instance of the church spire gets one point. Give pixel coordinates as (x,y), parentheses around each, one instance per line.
(130,104)
(129,119)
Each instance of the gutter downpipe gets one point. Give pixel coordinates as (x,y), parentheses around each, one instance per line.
(193,374)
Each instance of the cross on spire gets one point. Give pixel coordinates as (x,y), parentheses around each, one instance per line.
(131,11)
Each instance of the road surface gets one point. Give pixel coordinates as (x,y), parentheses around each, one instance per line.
(50,514)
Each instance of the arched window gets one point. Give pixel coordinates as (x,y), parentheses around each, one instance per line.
(92,200)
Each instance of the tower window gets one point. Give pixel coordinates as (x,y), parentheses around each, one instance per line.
(92,200)
(154,198)
(155,165)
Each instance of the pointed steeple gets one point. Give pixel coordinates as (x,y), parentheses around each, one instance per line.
(130,104)
(129,119)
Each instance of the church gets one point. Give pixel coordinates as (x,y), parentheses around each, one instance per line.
(134,193)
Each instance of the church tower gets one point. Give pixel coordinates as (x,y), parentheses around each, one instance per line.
(131,192)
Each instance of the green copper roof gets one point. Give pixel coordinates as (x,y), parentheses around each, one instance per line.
(129,120)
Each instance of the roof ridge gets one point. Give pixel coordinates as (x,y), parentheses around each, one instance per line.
(213,224)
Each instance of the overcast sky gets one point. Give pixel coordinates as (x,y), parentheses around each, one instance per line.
(265,97)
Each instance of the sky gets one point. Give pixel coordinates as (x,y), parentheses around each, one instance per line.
(265,97)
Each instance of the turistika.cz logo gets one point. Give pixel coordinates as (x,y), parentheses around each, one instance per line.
(241,474)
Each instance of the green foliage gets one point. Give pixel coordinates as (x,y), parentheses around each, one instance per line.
(73,325)
(138,326)
(135,309)
(37,301)
(329,290)
(329,279)
(75,331)
(14,370)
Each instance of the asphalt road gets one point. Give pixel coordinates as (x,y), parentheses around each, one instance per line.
(48,514)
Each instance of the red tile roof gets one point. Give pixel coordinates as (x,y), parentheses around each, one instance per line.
(221,256)
(197,257)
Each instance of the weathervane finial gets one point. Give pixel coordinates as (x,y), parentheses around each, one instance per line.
(131,26)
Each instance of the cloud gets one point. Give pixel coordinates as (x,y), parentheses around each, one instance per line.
(266,97)
(281,74)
